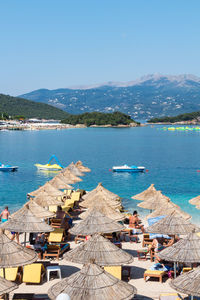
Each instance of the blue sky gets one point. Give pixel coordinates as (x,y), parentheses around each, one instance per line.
(62,43)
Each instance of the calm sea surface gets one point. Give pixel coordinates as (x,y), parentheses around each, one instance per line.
(172,159)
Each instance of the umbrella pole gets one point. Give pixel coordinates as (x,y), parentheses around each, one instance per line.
(4,276)
(174,269)
(24,239)
(192,297)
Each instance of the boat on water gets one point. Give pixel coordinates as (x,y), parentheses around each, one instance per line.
(8,168)
(51,167)
(126,168)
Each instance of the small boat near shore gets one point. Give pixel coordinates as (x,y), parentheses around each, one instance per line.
(8,168)
(49,166)
(126,168)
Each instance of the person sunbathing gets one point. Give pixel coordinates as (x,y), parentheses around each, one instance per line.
(135,222)
(156,246)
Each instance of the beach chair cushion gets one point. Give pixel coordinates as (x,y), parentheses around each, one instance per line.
(169,296)
(116,271)
(33,273)
(53,208)
(56,236)
(10,273)
(76,196)
(154,272)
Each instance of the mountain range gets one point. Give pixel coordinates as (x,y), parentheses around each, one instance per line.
(148,97)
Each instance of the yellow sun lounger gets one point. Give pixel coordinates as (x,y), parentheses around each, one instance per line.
(33,273)
(76,196)
(56,236)
(53,208)
(11,274)
(169,296)
(152,273)
(116,271)
(69,203)
(68,192)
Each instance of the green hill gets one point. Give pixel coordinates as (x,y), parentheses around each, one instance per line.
(14,106)
(97,118)
(179,118)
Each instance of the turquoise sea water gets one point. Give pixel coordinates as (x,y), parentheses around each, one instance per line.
(172,159)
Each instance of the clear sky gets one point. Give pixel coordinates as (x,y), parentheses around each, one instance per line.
(61,43)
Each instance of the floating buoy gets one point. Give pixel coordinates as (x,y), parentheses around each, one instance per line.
(198,170)
(147,170)
(110,170)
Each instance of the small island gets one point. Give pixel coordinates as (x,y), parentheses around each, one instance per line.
(187,119)
(99,119)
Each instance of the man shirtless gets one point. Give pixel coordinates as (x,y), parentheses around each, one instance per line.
(5,214)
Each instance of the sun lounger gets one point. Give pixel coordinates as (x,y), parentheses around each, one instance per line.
(33,273)
(56,223)
(23,296)
(55,251)
(80,238)
(116,271)
(56,236)
(169,296)
(157,274)
(146,240)
(53,208)
(69,204)
(12,274)
(76,196)
(186,269)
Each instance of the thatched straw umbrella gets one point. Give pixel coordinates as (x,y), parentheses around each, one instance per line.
(58,183)
(25,221)
(100,188)
(195,201)
(69,175)
(46,200)
(66,179)
(155,202)
(167,209)
(188,283)
(81,167)
(38,210)
(101,250)
(13,254)
(105,209)
(92,283)
(171,225)
(47,188)
(147,194)
(6,286)
(96,222)
(74,170)
(100,198)
(186,250)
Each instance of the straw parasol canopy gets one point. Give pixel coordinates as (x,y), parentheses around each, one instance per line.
(96,222)
(45,200)
(188,283)
(25,221)
(66,179)
(74,170)
(100,188)
(13,254)
(167,209)
(58,183)
(101,250)
(172,225)
(105,209)
(186,250)
(81,167)
(69,175)
(147,194)
(155,202)
(6,286)
(47,188)
(92,283)
(100,198)
(38,210)
(195,201)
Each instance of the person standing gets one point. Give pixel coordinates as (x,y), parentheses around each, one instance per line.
(5,214)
